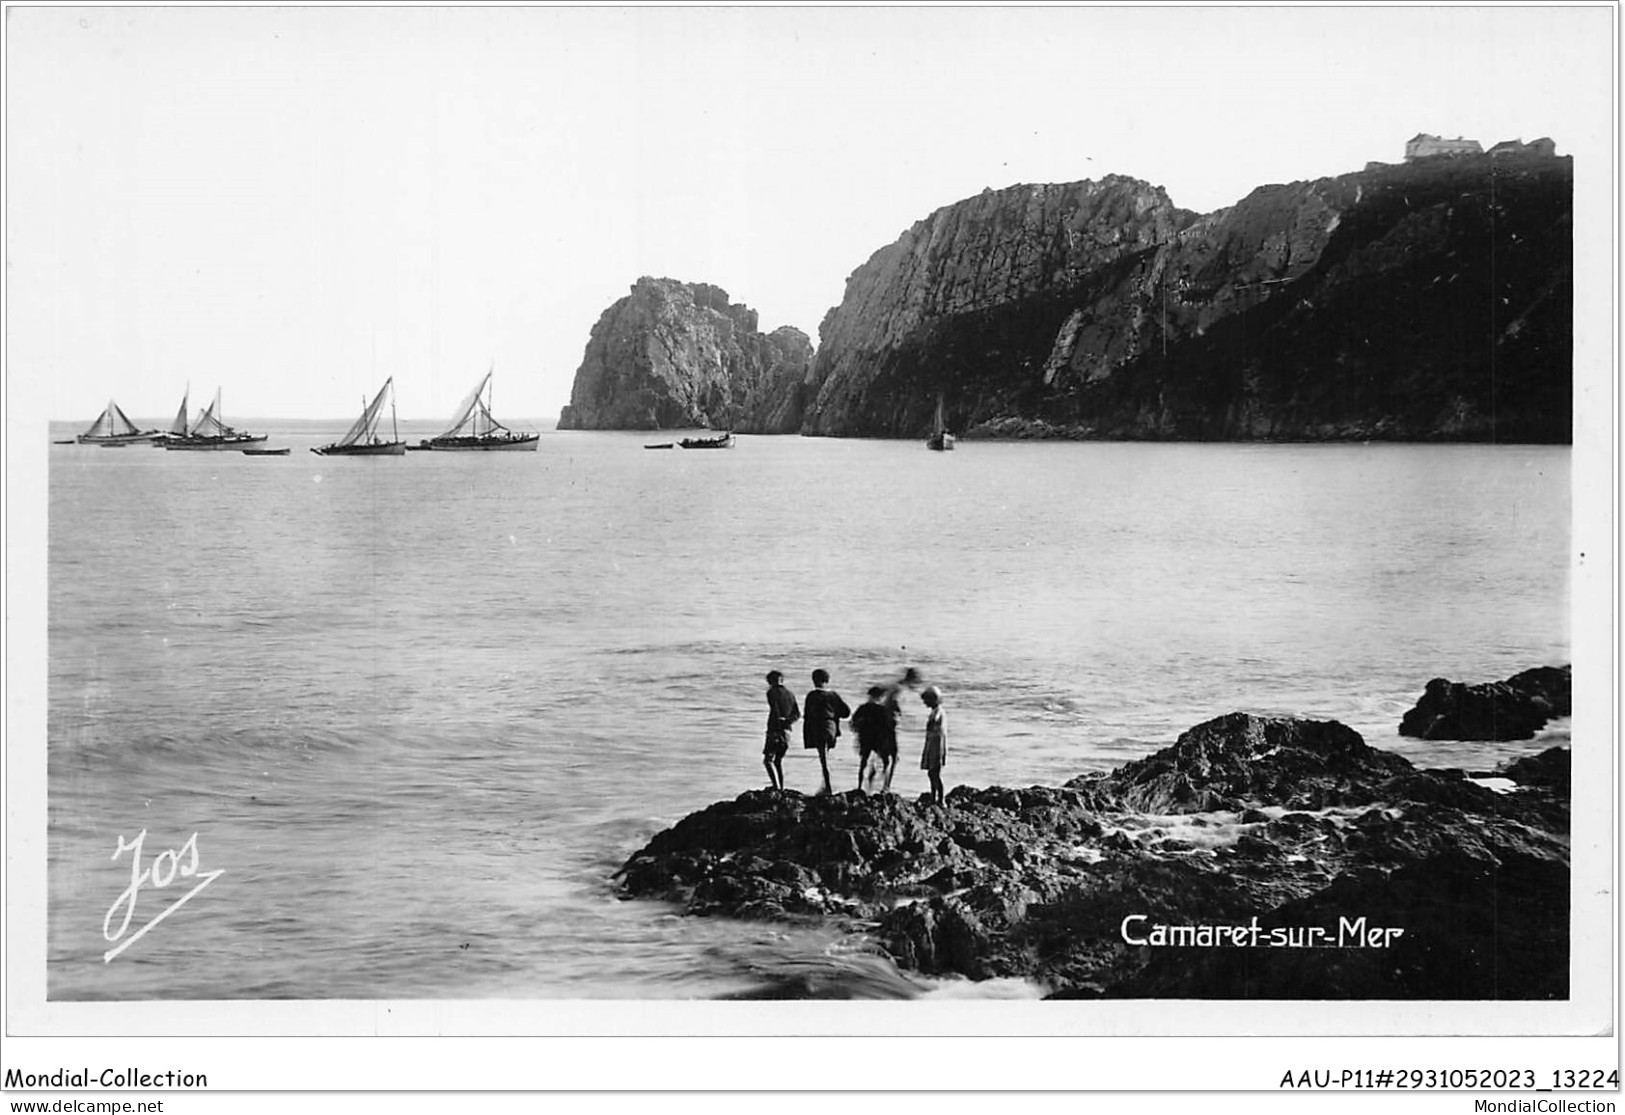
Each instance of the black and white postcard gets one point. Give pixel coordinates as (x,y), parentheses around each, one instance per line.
(538,524)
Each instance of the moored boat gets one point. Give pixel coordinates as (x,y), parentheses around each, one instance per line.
(721,441)
(365,449)
(209,432)
(509,442)
(361,439)
(283,452)
(662,445)
(112,427)
(474,429)
(177,428)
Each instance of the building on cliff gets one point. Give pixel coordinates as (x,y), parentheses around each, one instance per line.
(1541,148)
(1424,146)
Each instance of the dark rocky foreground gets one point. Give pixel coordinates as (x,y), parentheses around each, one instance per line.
(1516,708)
(1257,858)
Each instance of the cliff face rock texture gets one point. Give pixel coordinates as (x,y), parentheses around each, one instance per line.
(674,355)
(965,300)
(1429,301)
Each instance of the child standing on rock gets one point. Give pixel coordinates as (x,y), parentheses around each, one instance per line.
(822,713)
(781,713)
(936,743)
(872,723)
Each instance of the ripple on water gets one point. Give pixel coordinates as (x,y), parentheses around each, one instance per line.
(414,708)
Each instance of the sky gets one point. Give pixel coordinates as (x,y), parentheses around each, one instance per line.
(291,204)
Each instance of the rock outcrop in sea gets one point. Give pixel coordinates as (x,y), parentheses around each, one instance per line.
(674,355)
(1255,858)
(1516,708)
(1425,301)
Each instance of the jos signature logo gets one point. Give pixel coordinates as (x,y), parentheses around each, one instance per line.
(166,865)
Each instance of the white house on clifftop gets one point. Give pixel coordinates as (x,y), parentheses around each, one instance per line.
(1424,146)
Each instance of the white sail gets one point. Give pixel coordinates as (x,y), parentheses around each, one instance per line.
(473,416)
(177,428)
(111,423)
(103,426)
(124,425)
(473,419)
(940,438)
(208,423)
(363,428)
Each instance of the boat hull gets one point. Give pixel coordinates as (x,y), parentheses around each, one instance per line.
(380,449)
(126,439)
(940,442)
(521,444)
(726,441)
(213,444)
(283,452)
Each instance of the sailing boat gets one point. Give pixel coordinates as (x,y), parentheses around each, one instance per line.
(177,428)
(940,437)
(474,429)
(113,428)
(210,432)
(361,439)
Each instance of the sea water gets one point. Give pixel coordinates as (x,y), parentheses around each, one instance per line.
(418,710)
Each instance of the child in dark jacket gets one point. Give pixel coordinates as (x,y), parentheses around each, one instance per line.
(781,713)
(876,730)
(822,713)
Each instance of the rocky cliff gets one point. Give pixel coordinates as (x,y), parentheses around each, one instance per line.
(674,355)
(1429,301)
